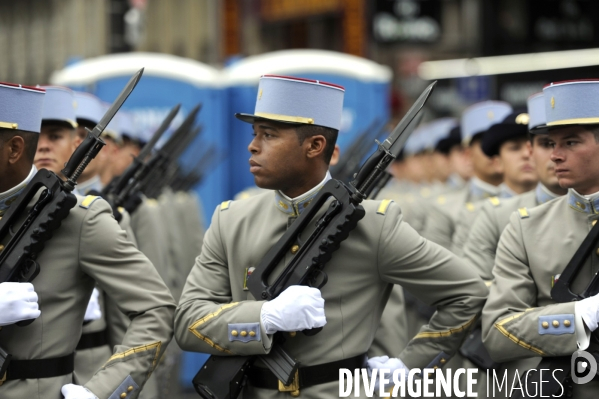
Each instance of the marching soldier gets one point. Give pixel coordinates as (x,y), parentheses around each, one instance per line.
(508,142)
(520,319)
(216,315)
(56,143)
(441,221)
(481,245)
(88,248)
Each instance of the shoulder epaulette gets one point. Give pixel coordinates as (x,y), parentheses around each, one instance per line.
(225,205)
(470,206)
(523,213)
(151,202)
(88,201)
(441,199)
(382,209)
(495,201)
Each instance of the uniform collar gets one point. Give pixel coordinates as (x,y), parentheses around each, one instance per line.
(505,191)
(583,203)
(9,196)
(94,184)
(455,181)
(295,206)
(543,194)
(479,189)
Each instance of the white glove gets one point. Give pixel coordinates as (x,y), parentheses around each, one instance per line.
(93,311)
(297,308)
(385,362)
(588,309)
(18,301)
(72,391)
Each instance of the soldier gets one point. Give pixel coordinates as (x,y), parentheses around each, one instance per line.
(441,221)
(88,247)
(520,319)
(459,162)
(295,128)
(56,143)
(508,142)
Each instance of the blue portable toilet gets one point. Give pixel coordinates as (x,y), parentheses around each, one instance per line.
(167,80)
(366,83)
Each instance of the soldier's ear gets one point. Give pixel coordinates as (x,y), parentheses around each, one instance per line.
(315,146)
(15,148)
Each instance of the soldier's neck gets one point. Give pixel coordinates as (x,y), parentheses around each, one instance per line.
(16,178)
(306,190)
(520,188)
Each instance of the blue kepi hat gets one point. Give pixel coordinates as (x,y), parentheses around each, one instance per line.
(293,100)
(21,107)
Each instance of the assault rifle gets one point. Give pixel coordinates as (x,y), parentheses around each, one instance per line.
(349,160)
(384,178)
(18,258)
(161,163)
(561,292)
(224,377)
(124,190)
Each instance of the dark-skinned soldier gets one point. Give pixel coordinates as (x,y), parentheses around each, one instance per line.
(295,125)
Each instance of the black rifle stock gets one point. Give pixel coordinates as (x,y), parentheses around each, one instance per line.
(307,266)
(18,259)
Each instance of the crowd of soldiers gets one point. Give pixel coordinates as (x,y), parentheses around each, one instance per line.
(453,266)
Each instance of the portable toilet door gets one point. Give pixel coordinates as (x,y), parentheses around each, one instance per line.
(167,80)
(366,84)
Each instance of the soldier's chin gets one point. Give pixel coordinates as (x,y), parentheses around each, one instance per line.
(265,183)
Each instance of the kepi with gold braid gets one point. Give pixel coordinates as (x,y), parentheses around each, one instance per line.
(21,107)
(572,102)
(297,101)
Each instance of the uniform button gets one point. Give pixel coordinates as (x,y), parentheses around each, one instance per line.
(597,251)
(252,334)
(130,388)
(567,323)
(123,395)
(292,334)
(580,205)
(443,361)
(594,222)
(244,333)
(436,367)
(234,333)
(555,323)
(545,324)
(294,249)
(1,247)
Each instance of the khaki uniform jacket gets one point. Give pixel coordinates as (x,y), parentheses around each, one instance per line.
(443,212)
(91,248)
(112,321)
(518,319)
(380,252)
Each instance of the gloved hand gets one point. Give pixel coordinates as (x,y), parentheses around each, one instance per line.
(72,391)
(385,362)
(297,308)
(588,309)
(93,311)
(18,301)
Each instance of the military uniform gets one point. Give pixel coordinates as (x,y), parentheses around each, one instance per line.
(88,248)
(214,302)
(443,212)
(520,316)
